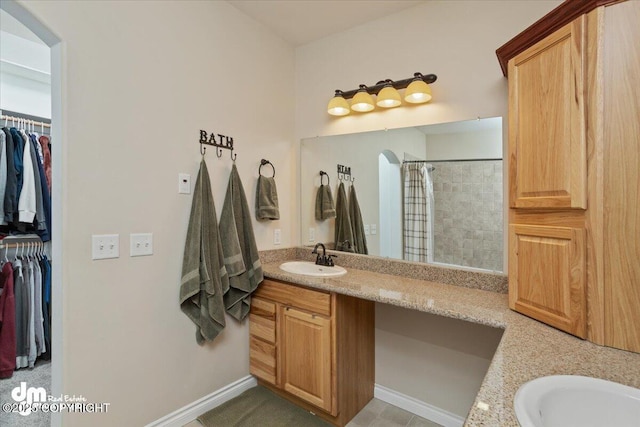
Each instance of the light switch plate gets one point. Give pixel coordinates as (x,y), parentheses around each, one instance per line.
(141,244)
(374,229)
(184,183)
(366,229)
(277,236)
(105,246)
(312,234)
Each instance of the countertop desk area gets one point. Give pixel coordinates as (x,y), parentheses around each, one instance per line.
(528,349)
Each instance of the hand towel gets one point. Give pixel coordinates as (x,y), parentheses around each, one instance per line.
(204,277)
(267,199)
(324,203)
(360,240)
(343,232)
(240,250)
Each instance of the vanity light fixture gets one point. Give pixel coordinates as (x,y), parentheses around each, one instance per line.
(338,106)
(417,91)
(388,97)
(362,101)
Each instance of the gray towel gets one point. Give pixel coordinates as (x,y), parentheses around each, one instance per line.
(240,250)
(324,203)
(343,232)
(360,240)
(204,277)
(267,199)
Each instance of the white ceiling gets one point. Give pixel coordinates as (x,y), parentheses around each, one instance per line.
(295,21)
(303,21)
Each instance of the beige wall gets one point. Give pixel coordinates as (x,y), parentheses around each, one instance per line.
(455,40)
(141,79)
(442,362)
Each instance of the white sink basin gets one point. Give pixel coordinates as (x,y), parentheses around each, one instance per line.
(568,401)
(307,268)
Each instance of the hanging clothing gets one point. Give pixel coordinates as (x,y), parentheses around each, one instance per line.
(241,256)
(40,218)
(11,191)
(21,294)
(39,319)
(18,152)
(44,229)
(355,216)
(27,199)
(418,212)
(7,323)
(3,174)
(45,308)
(204,276)
(44,142)
(343,232)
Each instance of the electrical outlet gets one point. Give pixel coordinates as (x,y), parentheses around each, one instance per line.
(312,234)
(141,244)
(367,230)
(184,183)
(374,229)
(105,246)
(276,236)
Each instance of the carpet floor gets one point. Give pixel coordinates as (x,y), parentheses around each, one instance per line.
(259,407)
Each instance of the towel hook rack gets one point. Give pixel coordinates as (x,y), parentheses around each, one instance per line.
(343,171)
(322,173)
(266,162)
(217,140)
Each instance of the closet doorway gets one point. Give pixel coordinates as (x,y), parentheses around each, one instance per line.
(27,98)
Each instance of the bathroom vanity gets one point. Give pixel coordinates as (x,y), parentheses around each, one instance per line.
(528,349)
(314,347)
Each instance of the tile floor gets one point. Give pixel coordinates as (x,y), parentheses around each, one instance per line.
(377,414)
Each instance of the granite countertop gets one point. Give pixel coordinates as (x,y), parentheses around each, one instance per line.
(528,349)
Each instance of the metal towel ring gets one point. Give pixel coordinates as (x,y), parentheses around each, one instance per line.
(266,162)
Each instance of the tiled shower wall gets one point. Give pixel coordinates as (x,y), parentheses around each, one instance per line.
(468,213)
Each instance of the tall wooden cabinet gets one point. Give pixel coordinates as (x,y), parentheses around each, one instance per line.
(574,162)
(314,348)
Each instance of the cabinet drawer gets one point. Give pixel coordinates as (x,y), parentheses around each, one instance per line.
(263,308)
(305,299)
(262,360)
(262,328)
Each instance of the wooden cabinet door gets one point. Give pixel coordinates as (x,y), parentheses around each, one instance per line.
(547,134)
(305,356)
(547,275)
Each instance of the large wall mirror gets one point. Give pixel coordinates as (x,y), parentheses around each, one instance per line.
(427,194)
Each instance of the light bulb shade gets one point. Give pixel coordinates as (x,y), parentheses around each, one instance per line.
(417,92)
(338,106)
(362,102)
(388,97)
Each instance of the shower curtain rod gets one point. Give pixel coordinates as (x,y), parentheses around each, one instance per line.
(453,160)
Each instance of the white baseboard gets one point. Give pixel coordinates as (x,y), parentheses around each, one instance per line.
(193,410)
(417,407)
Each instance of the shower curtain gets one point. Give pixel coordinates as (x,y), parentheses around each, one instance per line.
(418,206)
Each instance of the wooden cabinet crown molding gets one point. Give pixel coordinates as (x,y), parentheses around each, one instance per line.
(548,24)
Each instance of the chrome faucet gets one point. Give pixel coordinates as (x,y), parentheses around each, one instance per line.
(323,259)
